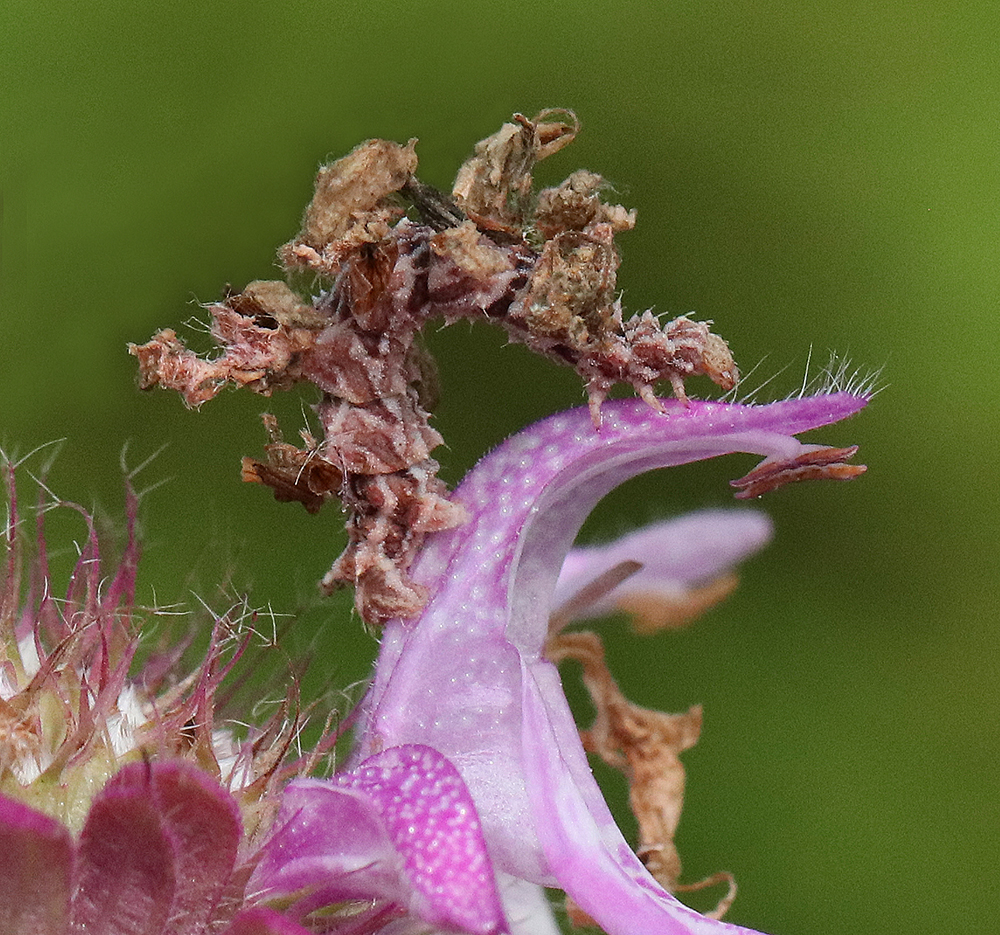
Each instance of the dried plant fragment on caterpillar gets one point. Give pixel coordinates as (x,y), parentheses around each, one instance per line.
(567,309)
(494,186)
(349,207)
(815,462)
(294,474)
(576,204)
(263,331)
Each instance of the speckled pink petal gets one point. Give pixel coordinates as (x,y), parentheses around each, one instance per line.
(36,861)
(432,822)
(469,678)
(328,844)
(400,827)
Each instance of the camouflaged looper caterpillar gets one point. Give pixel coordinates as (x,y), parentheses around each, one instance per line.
(543,266)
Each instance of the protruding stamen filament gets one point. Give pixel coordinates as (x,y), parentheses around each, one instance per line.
(815,462)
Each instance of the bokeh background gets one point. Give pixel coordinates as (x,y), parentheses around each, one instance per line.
(819,175)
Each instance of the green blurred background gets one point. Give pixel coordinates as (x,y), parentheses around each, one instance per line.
(807,175)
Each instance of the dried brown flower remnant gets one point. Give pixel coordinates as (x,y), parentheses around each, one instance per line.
(576,204)
(645,745)
(816,463)
(651,612)
(568,309)
(473,254)
(349,207)
(77,707)
(294,474)
(494,186)
(262,330)
(544,271)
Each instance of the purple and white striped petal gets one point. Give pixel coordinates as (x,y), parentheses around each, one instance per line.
(469,678)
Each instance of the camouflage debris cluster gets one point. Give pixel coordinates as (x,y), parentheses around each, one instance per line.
(541,266)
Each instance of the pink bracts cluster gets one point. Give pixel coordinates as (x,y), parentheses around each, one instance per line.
(158,853)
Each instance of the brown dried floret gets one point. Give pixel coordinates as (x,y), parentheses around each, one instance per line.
(494,186)
(646,746)
(474,254)
(569,299)
(267,300)
(576,204)
(294,474)
(349,206)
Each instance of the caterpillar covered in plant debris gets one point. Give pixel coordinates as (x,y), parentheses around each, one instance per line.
(542,267)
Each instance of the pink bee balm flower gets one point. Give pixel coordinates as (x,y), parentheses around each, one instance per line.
(469,677)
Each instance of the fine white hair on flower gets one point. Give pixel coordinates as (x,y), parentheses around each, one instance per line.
(838,375)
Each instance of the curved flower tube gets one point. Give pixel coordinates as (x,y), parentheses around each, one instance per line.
(469,678)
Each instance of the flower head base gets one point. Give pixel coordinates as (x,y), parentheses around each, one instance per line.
(73,711)
(159,854)
(69,711)
(124,809)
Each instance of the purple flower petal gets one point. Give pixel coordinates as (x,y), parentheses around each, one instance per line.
(125,874)
(468,677)
(676,555)
(433,823)
(36,862)
(330,845)
(156,852)
(401,827)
